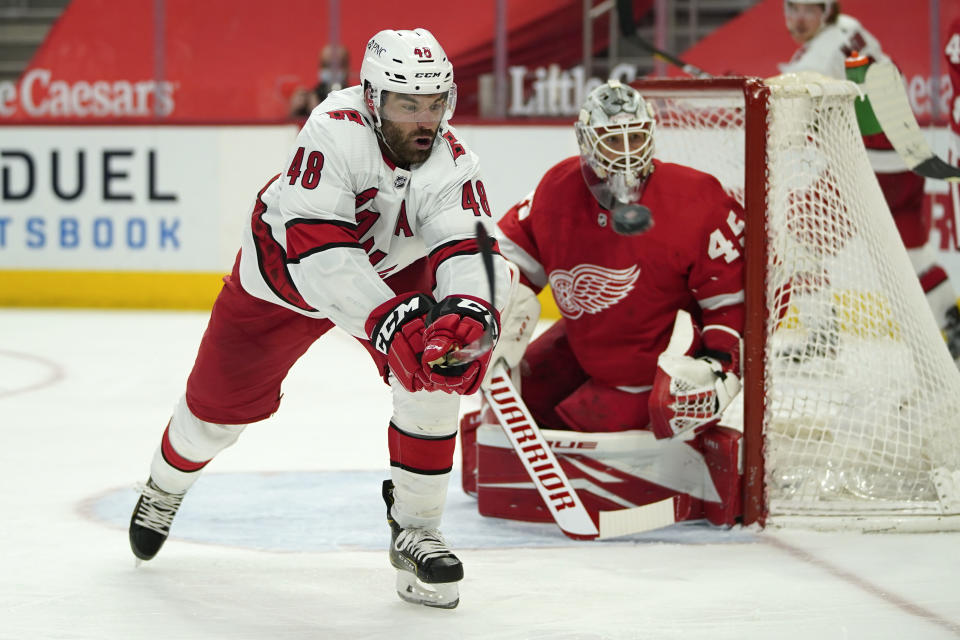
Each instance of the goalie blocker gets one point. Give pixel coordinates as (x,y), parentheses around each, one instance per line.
(610,471)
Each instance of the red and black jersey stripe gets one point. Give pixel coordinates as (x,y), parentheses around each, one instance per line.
(272,259)
(466,247)
(306,237)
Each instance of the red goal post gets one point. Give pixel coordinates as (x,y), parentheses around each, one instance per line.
(851,403)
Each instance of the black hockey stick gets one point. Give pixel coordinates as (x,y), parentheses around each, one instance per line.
(484,343)
(628,28)
(486,253)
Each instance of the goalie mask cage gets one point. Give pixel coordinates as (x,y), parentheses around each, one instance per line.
(851,402)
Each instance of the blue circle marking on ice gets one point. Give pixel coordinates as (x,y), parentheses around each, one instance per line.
(343,511)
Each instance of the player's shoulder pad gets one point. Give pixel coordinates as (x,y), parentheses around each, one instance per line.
(343,119)
(344,107)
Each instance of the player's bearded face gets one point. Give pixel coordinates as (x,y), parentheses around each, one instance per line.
(410,124)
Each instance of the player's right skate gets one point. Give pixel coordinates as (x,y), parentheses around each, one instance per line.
(427,571)
(151,520)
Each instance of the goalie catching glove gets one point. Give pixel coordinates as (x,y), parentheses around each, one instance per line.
(396,330)
(689,393)
(454,323)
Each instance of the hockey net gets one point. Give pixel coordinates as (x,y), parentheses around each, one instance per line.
(851,402)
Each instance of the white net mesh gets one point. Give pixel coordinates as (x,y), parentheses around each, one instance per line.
(862,399)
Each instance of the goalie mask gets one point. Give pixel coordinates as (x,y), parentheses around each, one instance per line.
(615,134)
(408,62)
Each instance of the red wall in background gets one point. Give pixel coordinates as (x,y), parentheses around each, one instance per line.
(238,60)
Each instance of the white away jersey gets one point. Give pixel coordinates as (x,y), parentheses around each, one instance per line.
(827,51)
(341,217)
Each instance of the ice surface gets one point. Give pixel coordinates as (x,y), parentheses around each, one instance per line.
(283,536)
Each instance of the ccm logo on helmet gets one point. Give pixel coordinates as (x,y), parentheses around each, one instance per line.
(427,75)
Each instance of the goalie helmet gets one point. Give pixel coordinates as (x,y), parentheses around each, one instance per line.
(615,133)
(410,62)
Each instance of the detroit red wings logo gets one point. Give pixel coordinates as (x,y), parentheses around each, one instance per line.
(588,288)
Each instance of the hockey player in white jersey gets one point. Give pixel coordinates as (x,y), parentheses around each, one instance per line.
(826,37)
(371,226)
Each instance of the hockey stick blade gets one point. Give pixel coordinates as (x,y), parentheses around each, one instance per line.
(938,169)
(888,98)
(623,522)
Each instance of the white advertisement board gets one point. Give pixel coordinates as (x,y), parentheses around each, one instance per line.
(131,198)
(173,199)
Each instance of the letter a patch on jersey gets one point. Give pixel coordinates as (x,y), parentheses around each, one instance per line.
(588,288)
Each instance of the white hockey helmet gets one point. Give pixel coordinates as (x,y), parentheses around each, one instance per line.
(411,62)
(827,7)
(615,133)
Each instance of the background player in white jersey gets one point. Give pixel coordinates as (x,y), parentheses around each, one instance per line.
(625,241)
(376,210)
(826,37)
(951,52)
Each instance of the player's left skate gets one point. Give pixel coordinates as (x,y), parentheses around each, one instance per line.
(151,520)
(427,572)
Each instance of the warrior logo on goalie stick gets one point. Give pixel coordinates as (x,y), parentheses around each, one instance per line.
(588,288)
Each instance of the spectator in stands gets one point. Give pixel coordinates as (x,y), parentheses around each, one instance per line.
(333,67)
(826,37)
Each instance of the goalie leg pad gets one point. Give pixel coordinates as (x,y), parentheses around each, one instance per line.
(721,450)
(597,465)
(468,452)
(595,408)
(613,471)
(550,373)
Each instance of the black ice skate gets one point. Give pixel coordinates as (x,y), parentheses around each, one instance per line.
(151,520)
(427,572)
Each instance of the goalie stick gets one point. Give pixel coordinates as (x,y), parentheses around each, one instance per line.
(551,481)
(885,89)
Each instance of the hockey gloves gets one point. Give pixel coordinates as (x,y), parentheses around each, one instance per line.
(689,394)
(396,329)
(454,323)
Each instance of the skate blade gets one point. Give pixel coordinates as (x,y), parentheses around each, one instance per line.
(443,595)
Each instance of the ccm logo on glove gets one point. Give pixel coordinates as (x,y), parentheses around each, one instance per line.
(397,317)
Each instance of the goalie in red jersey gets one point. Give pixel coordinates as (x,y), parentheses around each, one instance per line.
(625,242)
